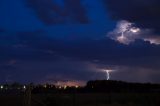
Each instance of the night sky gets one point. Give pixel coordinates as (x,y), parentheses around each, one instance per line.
(76,40)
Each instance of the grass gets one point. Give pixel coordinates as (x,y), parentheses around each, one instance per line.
(11,100)
(88,99)
(114,99)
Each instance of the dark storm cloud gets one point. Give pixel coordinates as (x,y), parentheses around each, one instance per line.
(8,70)
(77,10)
(145,13)
(65,69)
(36,45)
(110,52)
(104,50)
(27,45)
(45,55)
(52,13)
(47,11)
(136,74)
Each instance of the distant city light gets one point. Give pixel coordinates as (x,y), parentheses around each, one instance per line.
(69,83)
(45,86)
(24,87)
(65,87)
(76,86)
(2,87)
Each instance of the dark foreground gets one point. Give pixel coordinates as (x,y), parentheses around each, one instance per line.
(85,99)
(95,93)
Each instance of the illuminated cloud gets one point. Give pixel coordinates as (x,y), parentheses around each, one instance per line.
(127,32)
(153,39)
(145,13)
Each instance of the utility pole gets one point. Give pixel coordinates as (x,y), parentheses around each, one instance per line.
(27,96)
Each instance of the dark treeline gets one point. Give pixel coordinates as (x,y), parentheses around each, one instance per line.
(97,86)
(120,86)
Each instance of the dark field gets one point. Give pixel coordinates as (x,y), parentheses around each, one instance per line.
(84,99)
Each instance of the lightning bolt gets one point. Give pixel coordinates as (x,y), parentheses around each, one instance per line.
(107,75)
